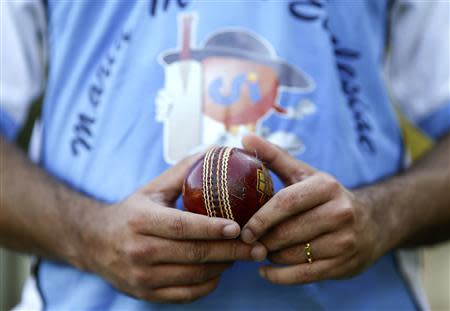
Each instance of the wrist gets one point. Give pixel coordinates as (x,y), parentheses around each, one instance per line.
(85,233)
(383,217)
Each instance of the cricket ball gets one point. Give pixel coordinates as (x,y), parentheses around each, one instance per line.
(227,182)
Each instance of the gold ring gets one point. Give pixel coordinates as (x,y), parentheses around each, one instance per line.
(308,252)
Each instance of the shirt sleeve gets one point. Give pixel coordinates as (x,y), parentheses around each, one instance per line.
(417,68)
(23,55)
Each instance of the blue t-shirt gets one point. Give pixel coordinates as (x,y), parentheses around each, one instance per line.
(134,86)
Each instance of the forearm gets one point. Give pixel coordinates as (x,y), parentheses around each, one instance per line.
(39,214)
(413,208)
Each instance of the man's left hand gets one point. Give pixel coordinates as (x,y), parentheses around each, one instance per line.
(343,234)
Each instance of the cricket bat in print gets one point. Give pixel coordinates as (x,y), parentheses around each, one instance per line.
(183,79)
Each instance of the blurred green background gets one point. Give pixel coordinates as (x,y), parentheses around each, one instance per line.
(14,268)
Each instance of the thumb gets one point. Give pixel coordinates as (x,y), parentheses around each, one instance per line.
(167,187)
(287,168)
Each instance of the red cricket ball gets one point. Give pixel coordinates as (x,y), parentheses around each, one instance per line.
(227,182)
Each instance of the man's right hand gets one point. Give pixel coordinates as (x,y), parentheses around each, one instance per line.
(157,253)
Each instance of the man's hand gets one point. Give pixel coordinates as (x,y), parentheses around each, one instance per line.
(313,208)
(142,245)
(161,254)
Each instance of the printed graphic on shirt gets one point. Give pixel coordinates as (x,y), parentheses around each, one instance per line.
(216,93)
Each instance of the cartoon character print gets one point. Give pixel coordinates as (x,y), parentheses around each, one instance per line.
(238,95)
(225,89)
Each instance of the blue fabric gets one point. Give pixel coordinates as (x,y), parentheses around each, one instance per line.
(317,61)
(437,123)
(8,126)
(241,288)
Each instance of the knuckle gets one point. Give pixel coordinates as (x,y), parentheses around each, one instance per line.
(274,277)
(322,176)
(291,253)
(134,223)
(274,258)
(138,278)
(152,296)
(300,276)
(151,251)
(356,265)
(287,200)
(178,227)
(143,295)
(279,237)
(352,268)
(304,275)
(270,241)
(234,251)
(330,182)
(201,274)
(348,243)
(281,232)
(210,230)
(298,175)
(214,285)
(282,257)
(129,251)
(278,199)
(135,253)
(241,251)
(347,213)
(186,296)
(257,222)
(197,252)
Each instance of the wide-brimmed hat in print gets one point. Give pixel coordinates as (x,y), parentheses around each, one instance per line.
(245,45)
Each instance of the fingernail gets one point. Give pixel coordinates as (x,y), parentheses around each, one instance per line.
(247,236)
(231,231)
(259,252)
(262,272)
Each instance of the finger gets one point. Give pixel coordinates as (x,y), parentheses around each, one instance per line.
(180,225)
(289,201)
(304,227)
(167,186)
(286,167)
(182,294)
(306,273)
(324,247)
(169,251)
(185,274)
